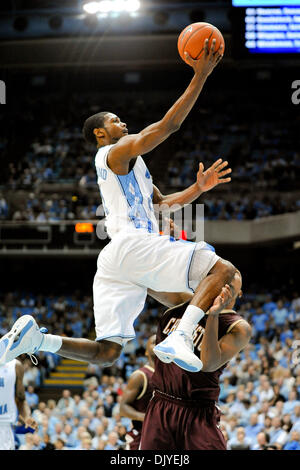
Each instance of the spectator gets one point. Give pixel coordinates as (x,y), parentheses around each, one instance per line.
(262,441)
(280,314)
(59,444)
(265,391)
(112,441)
(294,442)
(65,402)
(253,428)
(288,406)
(99,436)
(277,434)
(260,320)
(47,444)
(68,435)
(31,397)
(28,442)
(240,442)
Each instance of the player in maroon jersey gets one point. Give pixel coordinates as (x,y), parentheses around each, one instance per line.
(182,414)
(136,396)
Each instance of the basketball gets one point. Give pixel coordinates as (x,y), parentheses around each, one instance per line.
(192,38)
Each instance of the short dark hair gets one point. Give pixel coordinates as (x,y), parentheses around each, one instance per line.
(93,122)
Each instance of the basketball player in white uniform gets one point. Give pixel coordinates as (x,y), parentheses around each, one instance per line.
(138,258)
(12,402)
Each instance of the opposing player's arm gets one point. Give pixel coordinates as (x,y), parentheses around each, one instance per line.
(205,181)
(132,391)
(22,405)
(214,353)
(170,299)
(138,144)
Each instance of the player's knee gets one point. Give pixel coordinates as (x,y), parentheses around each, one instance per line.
(225,269)
(107,353)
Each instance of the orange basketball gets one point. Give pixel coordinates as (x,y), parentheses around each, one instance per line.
(192,38)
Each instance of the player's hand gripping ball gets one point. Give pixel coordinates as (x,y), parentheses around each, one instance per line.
(192,38)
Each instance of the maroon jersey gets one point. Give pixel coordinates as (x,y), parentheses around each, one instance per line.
(171,379)
(140,404)
(142,400)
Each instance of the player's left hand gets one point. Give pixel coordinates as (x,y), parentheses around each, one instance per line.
(221,301)
(30,423)
(213,176)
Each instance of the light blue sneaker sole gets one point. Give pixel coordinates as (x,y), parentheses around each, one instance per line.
(164,354)
(10,342)
(185,366)
(167,355)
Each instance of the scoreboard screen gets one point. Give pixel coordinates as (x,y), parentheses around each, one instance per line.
(266,26)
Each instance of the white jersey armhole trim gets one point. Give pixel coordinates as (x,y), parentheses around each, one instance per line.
(145,383)
(105,159)
(234,324)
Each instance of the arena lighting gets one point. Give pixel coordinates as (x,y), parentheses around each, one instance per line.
(84,227)
(91,7)
(107,6)
(132,5)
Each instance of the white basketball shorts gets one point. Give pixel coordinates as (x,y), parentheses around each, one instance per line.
(7,440)
(133,262)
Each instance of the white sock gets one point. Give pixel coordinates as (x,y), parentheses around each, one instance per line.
(51,343)
(190,319)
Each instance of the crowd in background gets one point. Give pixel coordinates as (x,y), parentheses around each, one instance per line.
(262,151)
(259,392)
(54,207)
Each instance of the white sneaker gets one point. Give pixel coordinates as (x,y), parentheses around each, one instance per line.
(24,337)
(178,348)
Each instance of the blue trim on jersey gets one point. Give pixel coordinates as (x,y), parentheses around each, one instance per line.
(186,241)
(189,267)
(209,247)
(115,336)
(134,197)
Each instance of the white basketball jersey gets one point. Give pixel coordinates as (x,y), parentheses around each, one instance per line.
(126,199)
(8,408)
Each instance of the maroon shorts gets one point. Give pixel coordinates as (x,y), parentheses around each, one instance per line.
(174,424)
(133,438)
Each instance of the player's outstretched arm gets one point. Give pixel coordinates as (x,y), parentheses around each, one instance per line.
(132,391)
(206,180)
(138,144)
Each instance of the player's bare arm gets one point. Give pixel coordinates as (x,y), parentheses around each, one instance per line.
(206,180)
(130,146)
(134,388)
(22,405)
(214,352)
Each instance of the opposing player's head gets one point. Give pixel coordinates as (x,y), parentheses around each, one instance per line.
(236,286)
(149,348)
(104,128)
